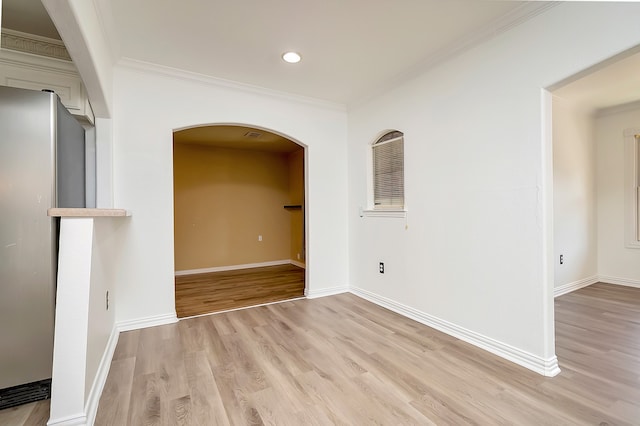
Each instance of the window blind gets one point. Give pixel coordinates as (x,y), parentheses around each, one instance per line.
(388,171)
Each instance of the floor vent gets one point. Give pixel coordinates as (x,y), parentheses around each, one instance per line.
(23,394)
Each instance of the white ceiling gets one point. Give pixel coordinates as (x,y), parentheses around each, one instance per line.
(606,85)
(350,48)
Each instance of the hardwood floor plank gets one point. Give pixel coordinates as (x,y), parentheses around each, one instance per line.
(144,406)
(338,407)
(287,362)
(127,345)
(149,352)
(342,360)
(391,402)
(117,392)
(39,414)
(180,412)
(225,382)
(219,291)
(206,402)
(16,415)
(31,414)
(311,416)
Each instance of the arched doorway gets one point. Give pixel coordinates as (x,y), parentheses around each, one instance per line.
(239,221)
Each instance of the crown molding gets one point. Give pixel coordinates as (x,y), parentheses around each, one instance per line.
(193,77)
(516,17)
(33,44)
(36,62)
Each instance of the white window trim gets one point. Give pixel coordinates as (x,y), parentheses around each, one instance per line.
(631,189)
(402,214)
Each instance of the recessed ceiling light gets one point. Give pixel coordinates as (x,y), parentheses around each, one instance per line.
(291,57)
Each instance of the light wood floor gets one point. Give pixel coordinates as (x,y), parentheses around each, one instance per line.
(221,291)
(33,414)
(342,360)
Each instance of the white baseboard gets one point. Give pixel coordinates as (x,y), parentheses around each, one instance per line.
(628,282)
(77,420)
(314,294)
(233,267)
(153,321)
(547,367)
(298,264)
(91,406)
(576,285)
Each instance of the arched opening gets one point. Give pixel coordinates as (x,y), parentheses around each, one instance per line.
(239,218)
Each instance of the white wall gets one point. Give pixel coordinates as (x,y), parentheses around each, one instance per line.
(148,107)
(85,333)
(574,194)
(474,253)
(105,258)
(616,263)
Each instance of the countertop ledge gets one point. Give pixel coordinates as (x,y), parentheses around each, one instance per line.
(78,212)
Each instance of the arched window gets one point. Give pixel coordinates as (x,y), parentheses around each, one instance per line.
(388,171)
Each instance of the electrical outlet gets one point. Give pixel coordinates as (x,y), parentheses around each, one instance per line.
(107,300)
(381,267)
(259,237)
(562,259)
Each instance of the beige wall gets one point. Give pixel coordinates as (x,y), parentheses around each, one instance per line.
(224,199)
(296,194)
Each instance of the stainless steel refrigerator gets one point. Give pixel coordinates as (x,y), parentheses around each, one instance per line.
(42,165)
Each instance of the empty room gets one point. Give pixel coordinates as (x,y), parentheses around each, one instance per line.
(461,210)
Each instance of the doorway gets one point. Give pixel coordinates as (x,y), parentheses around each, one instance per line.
(585,120)
(239,218)
(590,114)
